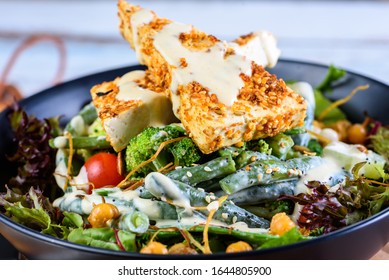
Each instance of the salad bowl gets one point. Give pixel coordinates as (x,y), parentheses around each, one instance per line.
(358,241)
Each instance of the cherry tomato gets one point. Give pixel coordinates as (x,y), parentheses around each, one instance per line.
(102,170)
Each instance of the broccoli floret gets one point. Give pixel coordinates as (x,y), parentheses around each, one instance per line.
(96,129)
(143,146)
(185,152)
(264,147)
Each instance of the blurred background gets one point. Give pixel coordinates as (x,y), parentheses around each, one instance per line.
(350,34)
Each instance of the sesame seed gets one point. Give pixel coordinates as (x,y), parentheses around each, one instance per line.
(207,169)
(188,174)
(268,171)
(225,216)
(234,219)
(214,205)
(260,176)
(207,199)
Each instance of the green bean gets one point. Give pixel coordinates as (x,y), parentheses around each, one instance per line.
(268,209)
(85,117)
(261,193)
(254,238)
(280,145)
(187,197)
(210,185)
(218,167)
(265,172)
(247,157)
(80,142)
(77,203)
(230,151)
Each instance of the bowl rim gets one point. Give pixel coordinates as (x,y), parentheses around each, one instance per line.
(122,254)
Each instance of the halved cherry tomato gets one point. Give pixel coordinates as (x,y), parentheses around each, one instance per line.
(102,170)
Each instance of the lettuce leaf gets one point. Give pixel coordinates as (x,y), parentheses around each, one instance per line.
(379,142)
(333,75)
(33,155)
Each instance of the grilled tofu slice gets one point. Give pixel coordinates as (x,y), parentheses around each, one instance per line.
(260,47)
(220,93)
(122,104)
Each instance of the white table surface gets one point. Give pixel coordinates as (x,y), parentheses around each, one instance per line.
(350,34)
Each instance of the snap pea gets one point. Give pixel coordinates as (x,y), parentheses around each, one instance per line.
(186,196)
(264,172)
(218,167)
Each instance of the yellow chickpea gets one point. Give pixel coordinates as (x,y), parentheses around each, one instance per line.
(102,213)
(182,249)
(154,247)
(341,128)
(280,224)
(357,134)
(239,246)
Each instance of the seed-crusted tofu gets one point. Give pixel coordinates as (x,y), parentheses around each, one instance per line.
(220,93)
(122,104)
(260,47)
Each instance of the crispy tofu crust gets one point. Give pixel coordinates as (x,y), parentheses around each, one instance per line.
(265,106)
(105,101)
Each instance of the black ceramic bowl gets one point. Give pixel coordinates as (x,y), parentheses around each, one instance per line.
(359,241)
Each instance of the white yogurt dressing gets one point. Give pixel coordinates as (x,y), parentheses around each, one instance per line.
(141,17)
(210,68)
(163,187)
(322,173)
(79,125)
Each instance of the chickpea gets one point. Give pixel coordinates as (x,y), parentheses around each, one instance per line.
(280,224)
(357,134)
(239,246)
(102,213)
(182,249)
(154,247)
(341,128)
